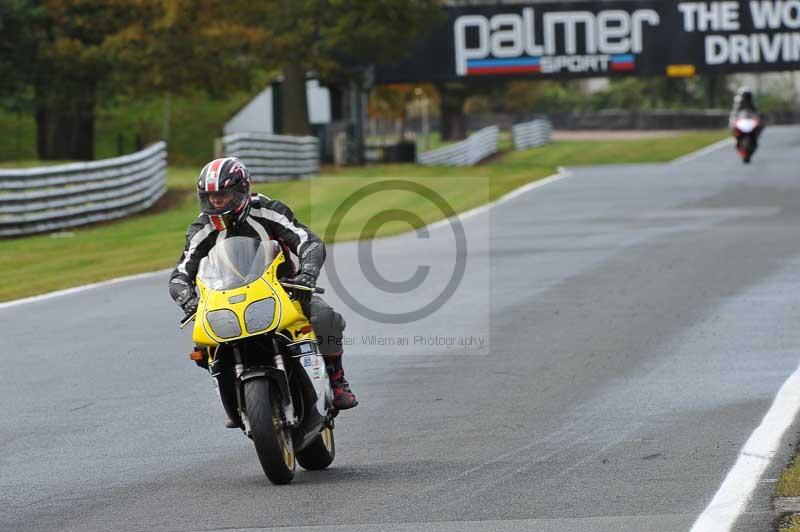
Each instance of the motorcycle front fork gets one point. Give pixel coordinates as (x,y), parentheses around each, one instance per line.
(289,419)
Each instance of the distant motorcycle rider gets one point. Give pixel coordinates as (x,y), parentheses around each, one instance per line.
(744,101)
(229,209)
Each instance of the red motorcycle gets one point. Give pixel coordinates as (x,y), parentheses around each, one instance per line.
(746,129)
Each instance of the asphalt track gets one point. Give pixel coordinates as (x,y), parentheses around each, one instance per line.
(637,322)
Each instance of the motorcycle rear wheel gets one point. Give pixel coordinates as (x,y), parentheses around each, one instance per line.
(273,441)
(320,453)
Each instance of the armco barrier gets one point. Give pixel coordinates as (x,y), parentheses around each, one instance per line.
(531,134)
(469,152)
(274,157)
(38,200)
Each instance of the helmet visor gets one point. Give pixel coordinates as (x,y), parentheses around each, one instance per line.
(221,202)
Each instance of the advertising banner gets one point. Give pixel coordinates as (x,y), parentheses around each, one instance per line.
(587,39)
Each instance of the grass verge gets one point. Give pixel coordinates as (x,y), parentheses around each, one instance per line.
(789,486)
(790,524)
(434,142)
(154,240)
(789,483)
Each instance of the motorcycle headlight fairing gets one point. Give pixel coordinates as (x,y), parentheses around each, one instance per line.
(224,323)
(259,314)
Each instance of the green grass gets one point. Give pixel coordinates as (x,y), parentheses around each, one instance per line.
(434,142)
(32,163)
(195,121)
(588,152)
(153,240)
(789,486)
(505,142)
(790,524)
(789,483)
(18,141)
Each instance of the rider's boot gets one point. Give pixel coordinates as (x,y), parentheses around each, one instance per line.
(343,396)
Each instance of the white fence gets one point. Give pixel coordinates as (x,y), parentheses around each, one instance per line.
(469,152)
(43,199)
(274,157)
(531,134)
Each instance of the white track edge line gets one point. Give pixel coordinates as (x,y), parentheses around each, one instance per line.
(562,173)
(81,288)
(731,499)
(703,151)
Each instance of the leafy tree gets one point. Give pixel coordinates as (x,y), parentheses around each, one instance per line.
(67,57)
(392,101)
(17,49)
(631,93)
(215,45)
(338,39)
(74,55)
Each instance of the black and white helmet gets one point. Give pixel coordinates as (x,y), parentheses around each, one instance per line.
(224,192)
(745,94)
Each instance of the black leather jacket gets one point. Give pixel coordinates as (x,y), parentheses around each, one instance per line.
(268,219)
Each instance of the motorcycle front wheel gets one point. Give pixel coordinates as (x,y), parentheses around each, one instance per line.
(273,442)
(320,453)
(747,148)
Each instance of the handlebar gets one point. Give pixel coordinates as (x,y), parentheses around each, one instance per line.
(187,319)
(316,289)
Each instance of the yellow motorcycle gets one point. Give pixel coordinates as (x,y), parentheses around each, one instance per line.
(263,353)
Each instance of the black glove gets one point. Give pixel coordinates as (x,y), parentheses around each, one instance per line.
(307,280)
(190,306)
(184,296)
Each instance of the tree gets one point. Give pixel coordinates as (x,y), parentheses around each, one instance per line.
(391,102)
(339,39)
(72,63)
(216,45)
(17,47)
(73,55)
(69,56)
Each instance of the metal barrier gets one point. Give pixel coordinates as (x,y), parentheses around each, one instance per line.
(38,200)
(531,134)
(274,157)
(469,152)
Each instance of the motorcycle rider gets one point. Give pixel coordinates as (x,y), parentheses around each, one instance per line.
(229,209)
(744,101)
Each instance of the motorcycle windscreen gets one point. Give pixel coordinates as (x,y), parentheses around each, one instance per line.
(236,261)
